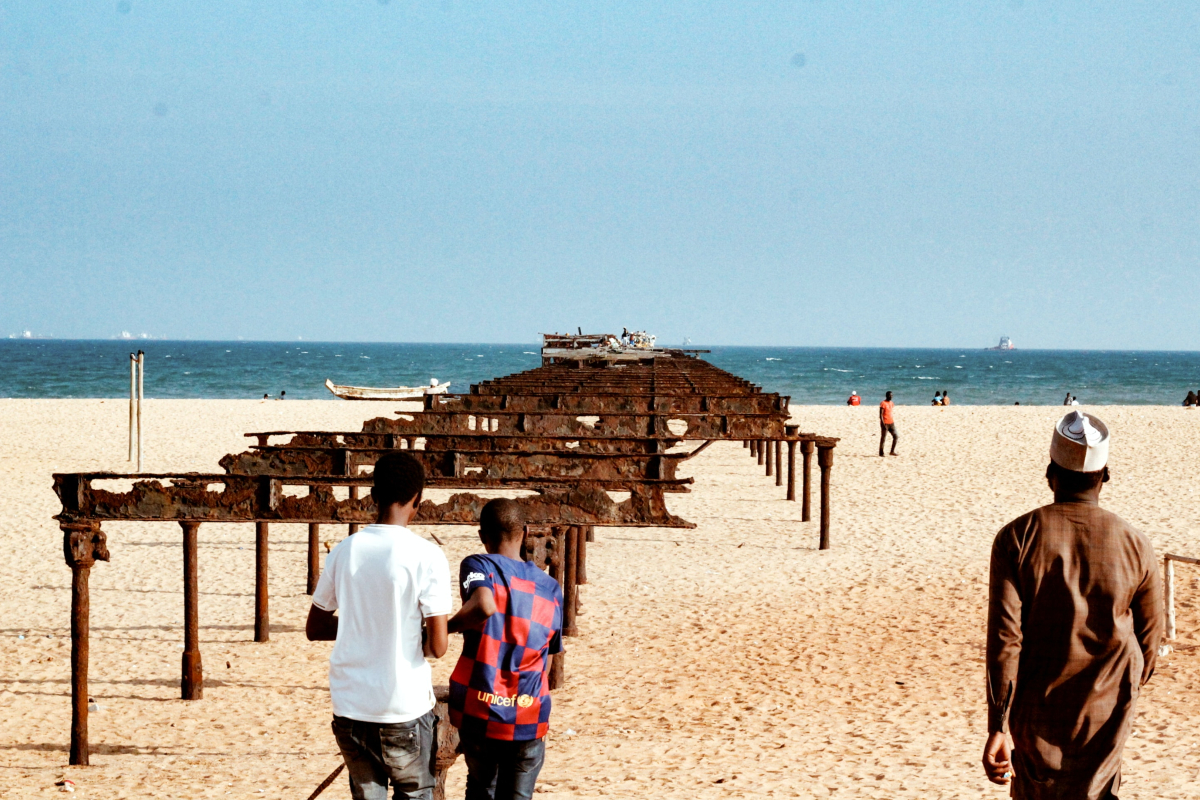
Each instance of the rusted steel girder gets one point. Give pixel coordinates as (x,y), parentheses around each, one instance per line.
(462,468)
(503,444)
(571,432)
(539,400)
(580,426)
(250,498)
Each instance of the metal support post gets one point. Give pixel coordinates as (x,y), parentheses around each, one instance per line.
(570,580)
(262,613)
(314,556)
(825,462)
(806,451)
(778,463)
(192,684)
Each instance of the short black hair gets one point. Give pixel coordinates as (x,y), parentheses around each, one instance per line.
(1072,482)
(502,520)
(887,395)
(398,479)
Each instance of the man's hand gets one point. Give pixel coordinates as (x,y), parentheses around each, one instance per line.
(322,625)
(997,761)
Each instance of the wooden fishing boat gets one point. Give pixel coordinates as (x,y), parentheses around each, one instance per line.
(386,393)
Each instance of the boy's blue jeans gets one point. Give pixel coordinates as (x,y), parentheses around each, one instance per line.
(500,770)
(402,753)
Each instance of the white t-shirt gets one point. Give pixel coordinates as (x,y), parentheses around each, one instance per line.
(383,581)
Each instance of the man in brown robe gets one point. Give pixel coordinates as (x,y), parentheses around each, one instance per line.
(1074,621)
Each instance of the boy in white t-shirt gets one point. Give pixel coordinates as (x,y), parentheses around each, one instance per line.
(384,581)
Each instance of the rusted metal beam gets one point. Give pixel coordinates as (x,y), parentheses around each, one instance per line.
(192,683)
(825,462)
(806,451)
(778,462)
(536,400)
(570,582)
(458,469)
(262,613)
(447,745)
(261,499)
(83,545)
(314,556)
(791,430)
(352,528)
(581,562)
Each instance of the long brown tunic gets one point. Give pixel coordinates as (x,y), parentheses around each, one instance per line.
(1074,621)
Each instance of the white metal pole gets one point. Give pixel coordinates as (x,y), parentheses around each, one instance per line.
(132,398)
(1169,594)
(141,357)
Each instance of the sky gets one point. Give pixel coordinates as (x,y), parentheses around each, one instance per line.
(797,173)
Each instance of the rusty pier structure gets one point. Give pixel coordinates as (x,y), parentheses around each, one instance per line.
(593,437)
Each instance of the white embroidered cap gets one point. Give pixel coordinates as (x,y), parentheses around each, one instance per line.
(1080,443)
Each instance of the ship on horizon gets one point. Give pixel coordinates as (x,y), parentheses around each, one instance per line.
(1006,343)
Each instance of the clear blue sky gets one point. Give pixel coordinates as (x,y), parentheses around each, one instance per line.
(801,173)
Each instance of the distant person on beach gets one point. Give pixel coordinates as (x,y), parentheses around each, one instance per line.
(283,395)
(391,589)
(887,423)
(1075,615)
(1067,399)
(511,622)
(1074,400)
(266,396)
(937,398)
(853,399)
(1190,400)
(945,398)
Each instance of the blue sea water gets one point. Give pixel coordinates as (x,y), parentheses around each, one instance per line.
(188,369)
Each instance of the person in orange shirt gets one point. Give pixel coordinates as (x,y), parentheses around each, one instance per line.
(853,400)
(887,424)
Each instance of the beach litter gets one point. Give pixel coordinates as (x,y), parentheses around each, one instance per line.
(66,785)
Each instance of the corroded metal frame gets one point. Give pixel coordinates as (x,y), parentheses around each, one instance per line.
(571,433)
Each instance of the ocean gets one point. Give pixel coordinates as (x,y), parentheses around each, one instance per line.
(810,375)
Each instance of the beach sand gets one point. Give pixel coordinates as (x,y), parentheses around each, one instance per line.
(733,660)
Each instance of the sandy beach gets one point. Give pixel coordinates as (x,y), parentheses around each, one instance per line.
(733,660)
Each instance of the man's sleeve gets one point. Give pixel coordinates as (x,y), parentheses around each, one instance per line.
(435,591)
(473,572)
(324,596)
(556,643)
(1003,631)
(1148,619)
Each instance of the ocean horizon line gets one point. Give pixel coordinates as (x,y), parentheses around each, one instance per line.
(688,346)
